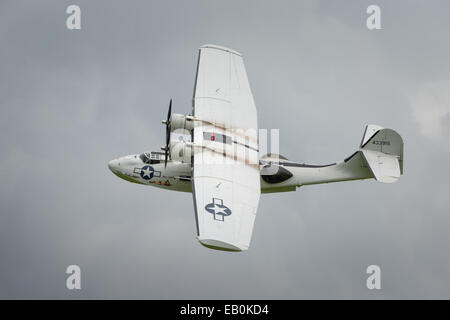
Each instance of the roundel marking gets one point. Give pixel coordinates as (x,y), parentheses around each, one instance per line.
(147,172)
(218,209)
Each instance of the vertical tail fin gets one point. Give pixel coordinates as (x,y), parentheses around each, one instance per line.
(382,149)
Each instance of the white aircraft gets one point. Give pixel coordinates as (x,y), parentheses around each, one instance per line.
(214,153)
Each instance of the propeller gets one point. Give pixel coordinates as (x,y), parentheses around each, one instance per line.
(168,125)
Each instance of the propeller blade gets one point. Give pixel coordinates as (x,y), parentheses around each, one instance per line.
(169,114)
(168,126)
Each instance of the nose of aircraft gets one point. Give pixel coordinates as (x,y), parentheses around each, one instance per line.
(113,164)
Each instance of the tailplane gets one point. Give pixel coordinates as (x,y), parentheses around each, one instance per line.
(382,150)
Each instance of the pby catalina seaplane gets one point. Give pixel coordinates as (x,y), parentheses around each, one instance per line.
(214,153)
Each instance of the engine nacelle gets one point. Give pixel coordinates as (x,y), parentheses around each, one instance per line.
(180,122)
(180,146)
(180,150)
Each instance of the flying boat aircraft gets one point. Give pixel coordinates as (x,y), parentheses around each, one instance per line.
(214,153)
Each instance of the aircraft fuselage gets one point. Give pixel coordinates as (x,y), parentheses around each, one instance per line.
(150,169)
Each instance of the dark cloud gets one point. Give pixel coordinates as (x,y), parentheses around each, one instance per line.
(72,100)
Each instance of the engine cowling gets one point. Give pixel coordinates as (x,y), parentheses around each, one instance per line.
(181,127)
(181,122)
(181,150)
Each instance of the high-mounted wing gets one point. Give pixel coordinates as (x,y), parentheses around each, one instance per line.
(225,167)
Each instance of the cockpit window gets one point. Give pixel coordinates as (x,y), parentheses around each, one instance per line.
(152,158)
(145,157)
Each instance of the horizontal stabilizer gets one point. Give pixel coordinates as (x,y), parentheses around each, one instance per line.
(385,168)
(382,150)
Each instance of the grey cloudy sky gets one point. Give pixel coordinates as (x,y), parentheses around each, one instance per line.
(72,100)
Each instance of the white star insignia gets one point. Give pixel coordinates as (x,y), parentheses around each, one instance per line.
(218,210)
(147,172)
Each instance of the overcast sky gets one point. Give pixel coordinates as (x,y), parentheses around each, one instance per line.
(71,100)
